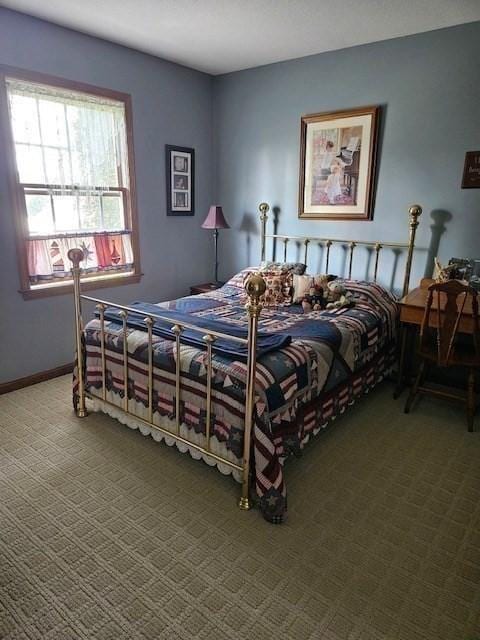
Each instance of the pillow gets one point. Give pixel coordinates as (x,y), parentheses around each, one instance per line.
(302,284)
(239,279)
(301,287)
(279,288)
(290,267)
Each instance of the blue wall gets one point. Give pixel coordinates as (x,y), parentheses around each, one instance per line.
(429,89)
(245,130)
(171,105)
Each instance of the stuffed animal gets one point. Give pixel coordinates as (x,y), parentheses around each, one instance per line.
(315,300)
(338,296)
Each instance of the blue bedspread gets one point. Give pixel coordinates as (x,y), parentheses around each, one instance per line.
(266,342)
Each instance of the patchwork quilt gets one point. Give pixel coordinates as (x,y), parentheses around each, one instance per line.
(332,358)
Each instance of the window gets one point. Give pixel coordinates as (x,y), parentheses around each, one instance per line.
(73,179)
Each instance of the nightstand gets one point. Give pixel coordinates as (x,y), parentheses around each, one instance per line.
(205,288)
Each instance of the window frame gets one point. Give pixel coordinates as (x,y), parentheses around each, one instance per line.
(17,197)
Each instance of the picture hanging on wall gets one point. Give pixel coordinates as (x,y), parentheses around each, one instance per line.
(471,170)
(180,171)
(337,164)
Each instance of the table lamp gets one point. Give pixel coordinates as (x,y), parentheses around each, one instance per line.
(215,220)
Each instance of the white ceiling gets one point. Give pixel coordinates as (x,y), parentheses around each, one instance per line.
(218,36)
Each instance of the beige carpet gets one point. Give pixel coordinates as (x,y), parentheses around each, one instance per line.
(106,534)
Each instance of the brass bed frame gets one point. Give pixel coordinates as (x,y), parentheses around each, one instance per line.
(255,288)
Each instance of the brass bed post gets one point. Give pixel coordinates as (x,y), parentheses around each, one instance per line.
(255,288)
(209,340)
(264,208)
(177,330)
(124,316)
(415,212)
(101,310)
(306,243)
(149,322)
(378,248)
(351,246)
(76,256)
(328,244)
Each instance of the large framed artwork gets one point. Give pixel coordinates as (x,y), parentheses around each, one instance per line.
(180,170)
(337,164)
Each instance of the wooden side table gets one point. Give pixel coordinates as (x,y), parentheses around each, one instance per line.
(205,288)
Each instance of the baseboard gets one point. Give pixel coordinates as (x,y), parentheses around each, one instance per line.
(35,378)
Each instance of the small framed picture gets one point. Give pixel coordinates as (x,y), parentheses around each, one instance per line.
(180,182)
(180,175)
(471,170)
(180,200)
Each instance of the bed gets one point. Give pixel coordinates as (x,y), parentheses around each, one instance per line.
(230,380)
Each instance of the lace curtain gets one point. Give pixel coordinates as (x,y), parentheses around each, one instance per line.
(72,162)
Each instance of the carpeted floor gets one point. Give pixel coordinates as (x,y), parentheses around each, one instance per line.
(105,534)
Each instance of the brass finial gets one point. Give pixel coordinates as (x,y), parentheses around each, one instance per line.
(255,288)
(76,256)
(177,329)
(415,212)
(264,208)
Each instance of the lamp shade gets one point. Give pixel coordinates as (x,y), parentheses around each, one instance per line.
(215,219)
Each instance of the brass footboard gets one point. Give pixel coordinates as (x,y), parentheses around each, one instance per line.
(255,288)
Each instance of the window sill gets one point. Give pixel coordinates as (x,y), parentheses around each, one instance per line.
(86,285)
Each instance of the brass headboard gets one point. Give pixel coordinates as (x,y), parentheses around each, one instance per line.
(414,211)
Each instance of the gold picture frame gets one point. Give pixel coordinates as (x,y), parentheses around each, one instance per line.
(337,164)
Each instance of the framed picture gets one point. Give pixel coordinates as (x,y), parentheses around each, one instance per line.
(180,170)
(337,164)
(471,170)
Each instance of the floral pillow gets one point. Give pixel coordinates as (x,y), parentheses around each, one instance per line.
(289,267)
(279,288)
(239,279)
(279,284)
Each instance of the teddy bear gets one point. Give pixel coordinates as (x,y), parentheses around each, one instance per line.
(314,301)
(338,296)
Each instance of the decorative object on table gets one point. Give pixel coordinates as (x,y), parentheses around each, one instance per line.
(337,164)
(471,170)
(443,273)
(215,220)
(475,282)
(205,288)
(465,269)
(462,268)
(180,173)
